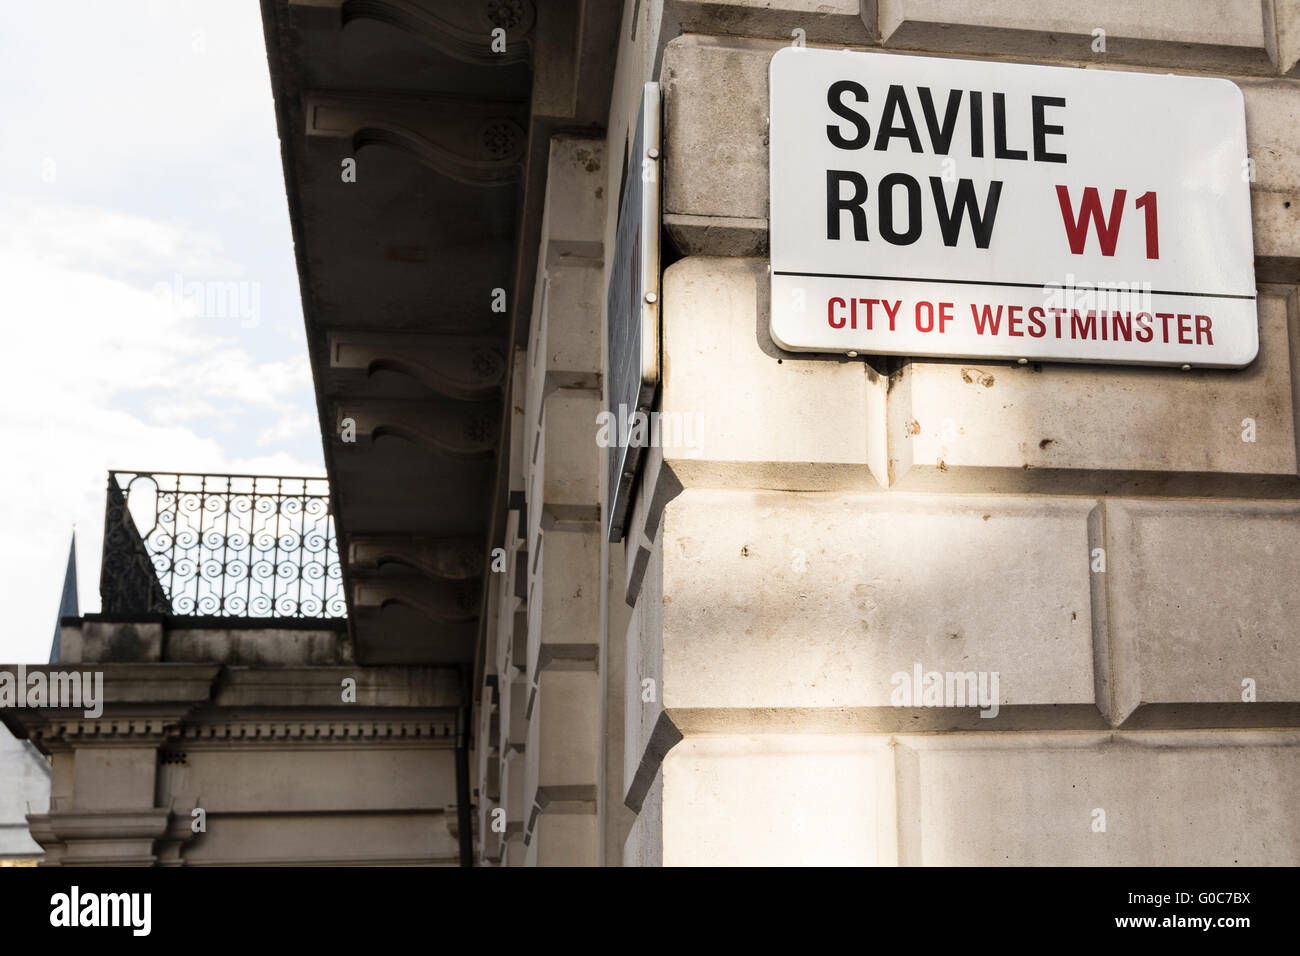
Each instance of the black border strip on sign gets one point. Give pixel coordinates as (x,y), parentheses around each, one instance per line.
(1017,285)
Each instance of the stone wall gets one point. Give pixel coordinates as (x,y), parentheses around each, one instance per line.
(1115,544)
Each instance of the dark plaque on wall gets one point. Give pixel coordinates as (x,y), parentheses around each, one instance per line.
(633,310)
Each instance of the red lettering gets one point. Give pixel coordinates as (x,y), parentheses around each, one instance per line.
(1036,321)
(869,303)
(1203,325)
(1058,313)
(1081,328)
(1147,202)
(1123,325)
(891,312)
(929,309)
(1014,320)
(986,319)
(1076,229)
(1144,333)
(945,315)
(830,313)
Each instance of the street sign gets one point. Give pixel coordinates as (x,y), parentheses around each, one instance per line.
(934,207)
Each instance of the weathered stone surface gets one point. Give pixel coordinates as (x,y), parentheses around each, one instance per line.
(831,21)
(1233,35)
(1288,37)
(972,426)
(575,205)
(564,599)
(773,800)
(736,410)
(1202,598)
(775,601)
(1273,137)
(563,741)
(715,137)
(564,349)
(563,839)
(564,474)
(1189,799)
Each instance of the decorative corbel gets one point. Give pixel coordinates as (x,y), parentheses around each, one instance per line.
(461,29)
(466,369)
(472,141)
(440,600)
(456,429)
(456,559)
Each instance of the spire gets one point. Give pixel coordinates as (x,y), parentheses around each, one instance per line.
(68,606)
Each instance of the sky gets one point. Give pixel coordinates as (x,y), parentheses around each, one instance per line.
(149,308)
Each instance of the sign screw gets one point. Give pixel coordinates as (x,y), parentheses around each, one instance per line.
(1187,368)
(853,355)
(1022,361)
(652,153)
(651,297)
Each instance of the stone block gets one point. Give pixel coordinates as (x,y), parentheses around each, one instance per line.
(564,600)
(564,839)
(829,21)
(1232,35)
(564,470)
(774,800)
(1273,138)
(803,609)
(715,136)
(574,214)
(967,425)
(736,410)
(1186,799)
(1202,597)
(562,753)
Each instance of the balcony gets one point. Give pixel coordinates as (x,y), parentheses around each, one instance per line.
(225,546)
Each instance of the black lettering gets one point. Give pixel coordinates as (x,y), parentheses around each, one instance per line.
(965,204)
(1042,130)
(1000,150)
(976,123)
(835,205)
(834,99)
(886,222)
(896,101)
(940,136)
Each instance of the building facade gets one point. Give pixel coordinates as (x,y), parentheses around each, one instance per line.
(719,649)
(1113,544)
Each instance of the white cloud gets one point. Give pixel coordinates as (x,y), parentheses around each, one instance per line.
(153,125)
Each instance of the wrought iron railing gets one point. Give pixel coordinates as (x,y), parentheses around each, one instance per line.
(220,546)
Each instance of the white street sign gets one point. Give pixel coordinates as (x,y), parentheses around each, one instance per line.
(934,207)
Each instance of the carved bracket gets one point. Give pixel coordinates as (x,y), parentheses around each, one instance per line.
(457,559)
(472,141)
(465,369)
(440,600)
(457,429)
(462,29)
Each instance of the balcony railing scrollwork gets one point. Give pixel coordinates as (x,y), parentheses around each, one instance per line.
(220,546)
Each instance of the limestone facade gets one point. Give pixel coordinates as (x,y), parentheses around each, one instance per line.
(719,686)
